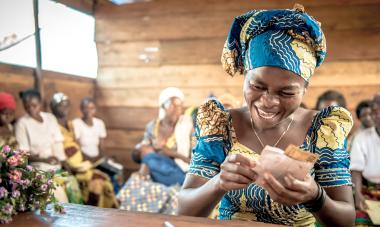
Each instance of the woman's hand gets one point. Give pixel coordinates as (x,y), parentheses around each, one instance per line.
(360,201)
(236,173)
(293,192)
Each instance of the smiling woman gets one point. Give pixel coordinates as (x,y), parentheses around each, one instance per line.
(277,50)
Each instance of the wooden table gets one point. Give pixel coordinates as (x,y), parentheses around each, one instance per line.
(81,215)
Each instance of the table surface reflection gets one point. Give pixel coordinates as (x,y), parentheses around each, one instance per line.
(81,215)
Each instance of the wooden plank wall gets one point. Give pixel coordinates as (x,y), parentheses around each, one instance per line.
(14,79)
(189,36)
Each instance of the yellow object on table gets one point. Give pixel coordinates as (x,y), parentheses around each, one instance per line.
(373,211)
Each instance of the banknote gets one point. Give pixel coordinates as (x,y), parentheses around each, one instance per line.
(280,163)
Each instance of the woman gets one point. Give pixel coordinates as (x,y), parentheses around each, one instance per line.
(154,188)
(278,50)
(89,130)
(38,132)
(7,116)
(97,190)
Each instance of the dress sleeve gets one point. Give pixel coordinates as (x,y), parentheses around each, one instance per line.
(332,167)
(212,134)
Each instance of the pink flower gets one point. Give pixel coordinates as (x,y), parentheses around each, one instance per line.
(7,149)
(44,187)
(3,192)
(50,182)
(7,209)
(16,194)
(15,160)
(15,176)
(29,168)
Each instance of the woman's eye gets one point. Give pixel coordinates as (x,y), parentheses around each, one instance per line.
(257,87)
(288,94)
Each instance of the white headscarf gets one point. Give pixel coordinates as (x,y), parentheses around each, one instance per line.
(167,94)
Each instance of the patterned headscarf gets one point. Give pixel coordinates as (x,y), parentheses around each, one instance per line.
(289,39)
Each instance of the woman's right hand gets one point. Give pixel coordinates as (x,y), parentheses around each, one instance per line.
(360,201)
(236,173)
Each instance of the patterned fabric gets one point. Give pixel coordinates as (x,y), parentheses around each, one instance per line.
(7,136)
(96,187)
(371,191)
(217,139)
(140,193)
(289,39)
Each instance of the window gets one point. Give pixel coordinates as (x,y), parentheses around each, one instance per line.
(67,37)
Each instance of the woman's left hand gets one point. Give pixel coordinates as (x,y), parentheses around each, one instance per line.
(293,191)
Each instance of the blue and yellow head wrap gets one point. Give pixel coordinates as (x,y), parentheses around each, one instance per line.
(289,39)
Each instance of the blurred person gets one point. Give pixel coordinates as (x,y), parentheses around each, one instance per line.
(96,187)
(330,98)
(365,166)
(363,113)
(164,154)
(89,130)
(7,116)
(38,133)
(158,149)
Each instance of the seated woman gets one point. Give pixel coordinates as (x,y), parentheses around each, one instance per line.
(278,51)
(38,132)
(7,116)
(154,188)
(97,189)
(159,145)
(90,132)
(365,166)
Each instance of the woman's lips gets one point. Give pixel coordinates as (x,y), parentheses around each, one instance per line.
(266,115)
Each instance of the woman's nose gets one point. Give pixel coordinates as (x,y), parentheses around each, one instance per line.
(270,100)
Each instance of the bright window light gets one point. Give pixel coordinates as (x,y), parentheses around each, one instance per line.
(16,23)
(67,40)
(67,37)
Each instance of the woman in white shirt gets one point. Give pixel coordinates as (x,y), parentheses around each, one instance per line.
(38,133)
(89,130)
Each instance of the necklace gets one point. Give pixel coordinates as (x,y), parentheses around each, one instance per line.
(279,139)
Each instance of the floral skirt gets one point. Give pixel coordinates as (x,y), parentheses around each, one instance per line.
(371,191)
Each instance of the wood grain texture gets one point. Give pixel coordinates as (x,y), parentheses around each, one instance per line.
(81,215)
(189,20)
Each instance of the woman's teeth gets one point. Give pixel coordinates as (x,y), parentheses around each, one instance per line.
(266,115)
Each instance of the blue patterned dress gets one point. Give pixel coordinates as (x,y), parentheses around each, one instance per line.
(217,139)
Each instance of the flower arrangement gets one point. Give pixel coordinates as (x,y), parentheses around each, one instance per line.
(22,187)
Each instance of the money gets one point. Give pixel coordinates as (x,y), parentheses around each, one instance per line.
(279,163)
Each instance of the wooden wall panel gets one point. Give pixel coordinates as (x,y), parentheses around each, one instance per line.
(129,118)
(208,50)
(211,23)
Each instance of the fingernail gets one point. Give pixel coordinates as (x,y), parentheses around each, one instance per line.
(266,176)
